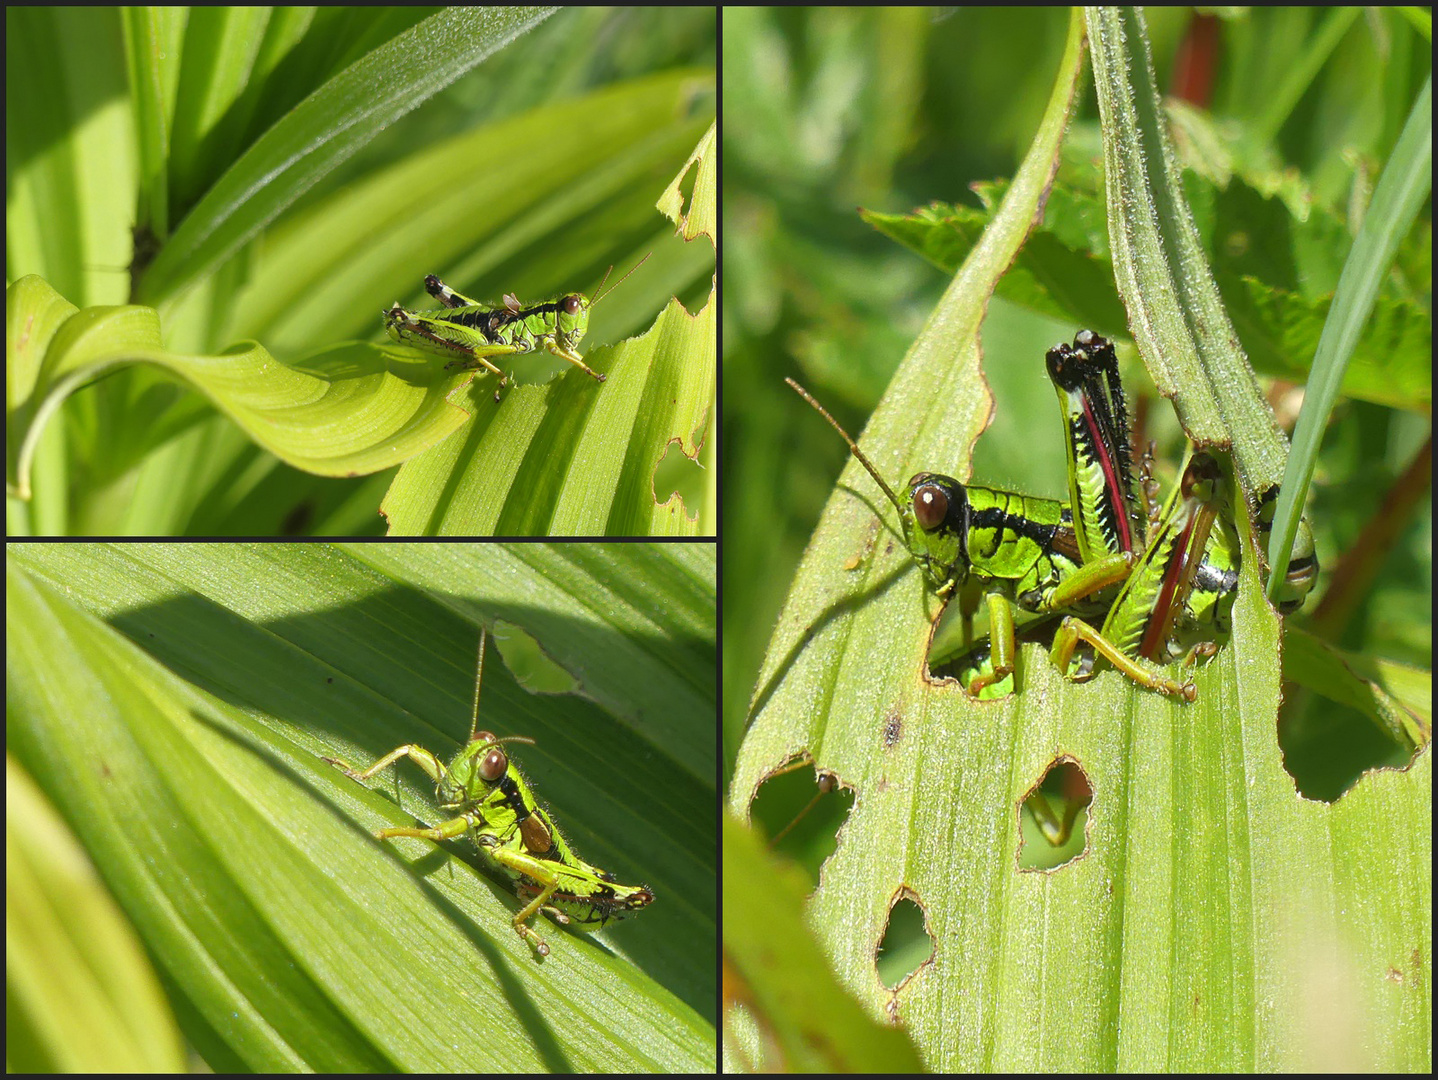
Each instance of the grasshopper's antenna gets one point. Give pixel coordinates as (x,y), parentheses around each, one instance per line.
(478,678)
(853,446)
(474,718)
(600,294)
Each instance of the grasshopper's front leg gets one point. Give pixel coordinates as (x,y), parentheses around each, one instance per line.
(1001,645)
(1075,587)
(445,830)
(574,358)
(433,767)
(1090,579)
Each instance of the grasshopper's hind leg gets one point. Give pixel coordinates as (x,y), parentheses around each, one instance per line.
(447,296)
(404,326)
(536,870)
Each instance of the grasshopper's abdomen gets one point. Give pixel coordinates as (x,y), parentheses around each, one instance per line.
(592,905)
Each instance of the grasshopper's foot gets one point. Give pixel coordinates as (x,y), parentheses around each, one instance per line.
(537,942)
(597,376)
(504,381)
(981,682)
(557,915)
(348,769)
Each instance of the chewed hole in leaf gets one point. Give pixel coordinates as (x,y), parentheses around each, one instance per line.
(802,809)
(960,649)
(1054,816)
(679,474)
(529,663)
(1329,747)
(907,944)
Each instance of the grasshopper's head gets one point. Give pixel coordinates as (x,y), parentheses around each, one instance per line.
(475,771)
(936,526)
(571,320)
(572,312)
(934,514)
(1302,562)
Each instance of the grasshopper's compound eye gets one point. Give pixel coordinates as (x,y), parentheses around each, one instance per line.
(493,766)
(931,506)
(572,304)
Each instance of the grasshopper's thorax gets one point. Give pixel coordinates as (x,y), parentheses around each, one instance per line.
(997,535)
(563,321)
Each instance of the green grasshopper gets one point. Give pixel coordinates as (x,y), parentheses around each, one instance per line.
(1017,550)
(1133,563)
(1103,498)
(492,803)
(1178,598)
(473,331)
